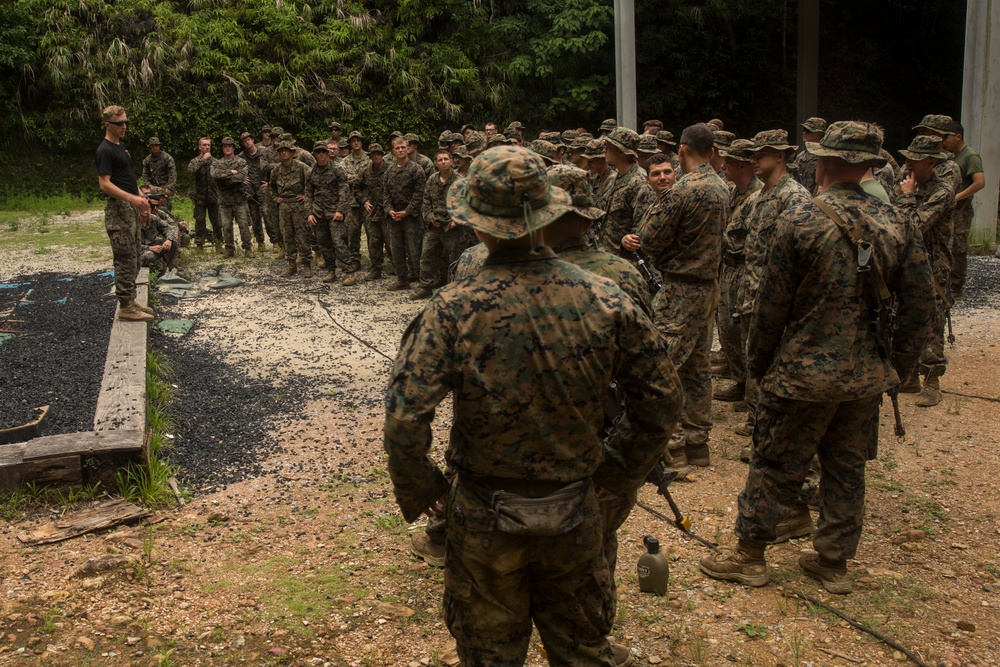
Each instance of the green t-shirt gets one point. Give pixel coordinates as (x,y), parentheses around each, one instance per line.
(875,189)
(970,163)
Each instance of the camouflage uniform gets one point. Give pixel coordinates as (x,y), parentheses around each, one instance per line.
(470,262)
(155,232)
(804,166)
(206,200)
(160,170)
(682,234)
(369,188)
(626,201)
(233,201)
(404,190)
(121,220)
(443,240)
(327,193)
(354,165)
(255,194)
(269,159)
(286,184)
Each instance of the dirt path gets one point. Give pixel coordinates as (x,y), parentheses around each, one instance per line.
(309,563)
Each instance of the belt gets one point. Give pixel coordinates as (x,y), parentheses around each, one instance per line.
(529,488)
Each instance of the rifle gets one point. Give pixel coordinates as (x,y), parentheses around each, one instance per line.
(653,280)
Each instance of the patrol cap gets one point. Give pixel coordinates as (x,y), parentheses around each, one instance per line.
(153,141)
(740,149)
(507,194)
(576,182)
(647,144)
(935,122)
(546,149)
(475,142)
(335,125)
(608,124)
(852,141)
(776,139)
(355,135)
(595,148)
(665,137)
(246,135)
(923,147)
(814,124)
(228,141)
(320,146)
(376,148)
(412,138)
(721,138)
(624,139)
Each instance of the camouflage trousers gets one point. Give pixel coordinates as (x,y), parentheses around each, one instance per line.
(844,436)
(378,239)
(121,221)
(933,359)
(752,393)
(347,241)
(729,329)
(256,219)
(272,221)
(323,230)
(683,311)
(241,214)
(201,207)
(497,584)
(406,242)
(296,238)
(160,261)
(960,247)
(615,510)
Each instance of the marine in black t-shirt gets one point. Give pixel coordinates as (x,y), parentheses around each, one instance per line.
(114,159)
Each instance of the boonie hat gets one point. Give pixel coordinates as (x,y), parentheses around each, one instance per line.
(923,147)
(507,194)
(153,141)
(497,140)
(665,137)
(814,124)
(776,139)
(475,142)
(227,141)
(546,149)
(246,135)
(286,146)
(376,148)
(608,124)
(320,146)
(935,122)
(647,144)
(334,125)
(595,148)
(412,138)
(624,139)
(355,135)
(740,149)
(722,138)
(852,141)
(576,182)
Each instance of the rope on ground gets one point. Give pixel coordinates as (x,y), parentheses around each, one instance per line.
(808,598)
(981,398)
(350,333)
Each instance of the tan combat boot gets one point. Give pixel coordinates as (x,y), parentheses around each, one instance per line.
(744,564)
(145,309)
(930,394)
(306,270)
(833,576)
(350,279)
(798,523)
(330,277)
(423,547)
(289,271)
(130,313)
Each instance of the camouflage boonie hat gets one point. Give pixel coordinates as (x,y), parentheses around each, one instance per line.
(935,122)
(475,142)
(287,136)
(412,138)
(153,141)
(608,124)
(665,137)
(595,148)
(546,149)
(343,143)
(321,146)
(286,145)
(461,152)
(507,194)
(277,131)
(568,136)
(647,144)
(443,139)
(227,141)
(355,135)
(624,139)
(497,140)
(376,148)
(334,125)
(455,136)
(776,139)
(395,133)
(467,126)
(923,147)
(576,182)
(721,139)
(266,128)
(852,141)
(553,138)
(814,124)
(740,149)
(581,142)
(156,192)
(516,125)
(715,124)
(246,135)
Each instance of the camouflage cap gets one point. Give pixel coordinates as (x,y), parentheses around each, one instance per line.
(595,148)
(936,123)
(455,136)
(277,130)
(507,194)
(852,141)
(443,139)
(497,140)
(286,145)
(335,125)
(246,135)
(568,136)
(228,141)
(376,148)
(740,149)
(355,135)
(814,124)
(624,139)
(581,142)
(665,137)
(395,133)
(467,126)
(721,138)
(608,124)
(553,138)
(343,143)
(320,146)
(546,149)
(155,192)
(776,139)
(412,138)
(515,125)
(647,144)
(461,152)
(475,142)
(287,136)
(576,182)
(153,141)
(923,147)
(266,128)
(716,124)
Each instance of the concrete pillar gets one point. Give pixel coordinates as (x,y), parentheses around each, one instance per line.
(625,62)
(981,108)
(807,95)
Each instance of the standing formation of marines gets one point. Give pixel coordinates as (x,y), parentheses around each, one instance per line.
(604,262)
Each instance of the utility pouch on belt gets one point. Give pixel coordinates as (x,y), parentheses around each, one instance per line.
(554,514)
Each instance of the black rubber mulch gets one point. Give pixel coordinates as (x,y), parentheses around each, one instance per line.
(57,356)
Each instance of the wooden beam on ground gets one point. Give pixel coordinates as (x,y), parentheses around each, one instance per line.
(103,515)
(121,404)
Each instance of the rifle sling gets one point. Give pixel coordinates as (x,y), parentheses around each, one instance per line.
(881,289)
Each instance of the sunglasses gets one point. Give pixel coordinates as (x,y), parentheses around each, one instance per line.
(119,123)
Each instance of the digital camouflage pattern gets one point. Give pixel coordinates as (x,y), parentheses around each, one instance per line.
(160,170)
(233,201)
(328,191)
(155,231)
(256,196)
(617,269)
(370,189)
(804,168)
(121,221)
(626,200)
(443,242)
(731,275)
(206,200)
(404,190)
(471,261)
(286,184)
(502,337)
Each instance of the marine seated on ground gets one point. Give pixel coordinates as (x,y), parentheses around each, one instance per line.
(158,247)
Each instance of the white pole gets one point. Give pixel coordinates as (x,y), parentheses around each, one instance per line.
(625,62)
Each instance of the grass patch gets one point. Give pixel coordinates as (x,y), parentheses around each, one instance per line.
(63,203)
(14,506)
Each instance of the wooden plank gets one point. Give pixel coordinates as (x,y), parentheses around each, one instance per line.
(122,401)
(89,443)
(62,470)
(32,429)
(103,515)
(12,455)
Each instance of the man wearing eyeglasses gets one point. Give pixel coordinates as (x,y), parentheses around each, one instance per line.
(116,178)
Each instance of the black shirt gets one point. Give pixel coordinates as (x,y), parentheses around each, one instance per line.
(114,159)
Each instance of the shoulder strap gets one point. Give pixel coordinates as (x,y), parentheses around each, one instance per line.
(866,260)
